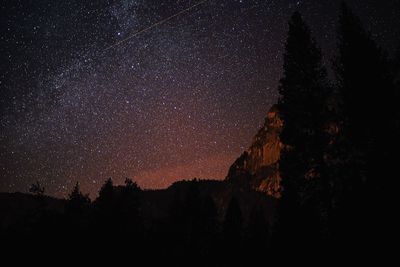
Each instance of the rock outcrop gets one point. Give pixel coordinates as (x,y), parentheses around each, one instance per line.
(259,165)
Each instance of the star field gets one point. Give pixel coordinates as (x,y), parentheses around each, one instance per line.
(84,97)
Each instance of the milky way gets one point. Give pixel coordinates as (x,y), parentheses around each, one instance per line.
(141,89)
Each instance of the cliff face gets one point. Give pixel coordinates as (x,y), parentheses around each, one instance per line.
(260,163)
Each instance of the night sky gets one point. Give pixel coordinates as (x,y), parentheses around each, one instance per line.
(158,91)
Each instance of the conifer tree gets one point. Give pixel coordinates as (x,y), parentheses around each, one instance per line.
(304,91)
(76,201)
(368,134)
(37,189)
(107,191)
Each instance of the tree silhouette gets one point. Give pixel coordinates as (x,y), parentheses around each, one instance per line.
(130,197)
(106,211)
(37,189)
(76,201)
(304,91)
(131,187)
(106,194)
(129,206)
(361,69)
(368,135)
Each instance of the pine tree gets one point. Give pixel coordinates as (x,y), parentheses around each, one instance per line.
(37,189)
(131,187)
(106,213)
(304,91)
(106,193)
(76,201)
(366,88)
(129,205)
(106,202)
(361,71)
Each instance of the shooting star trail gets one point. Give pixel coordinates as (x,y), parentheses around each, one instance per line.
(153,26)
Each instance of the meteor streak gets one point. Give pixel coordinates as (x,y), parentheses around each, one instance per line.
(153,25)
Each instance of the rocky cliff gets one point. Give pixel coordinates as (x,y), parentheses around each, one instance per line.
(259,165)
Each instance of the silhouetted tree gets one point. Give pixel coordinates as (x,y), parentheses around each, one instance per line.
(76,201)
(37,189)
(131,187)
(106,194)
(106,211)
(129,207)
(362,70)
(366,153)
(303,105)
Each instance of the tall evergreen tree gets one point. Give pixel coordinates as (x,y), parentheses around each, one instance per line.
(76,201)
(366,87)
(304,91)
(129,205)
(362,70)
(106,193)
(106,207)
